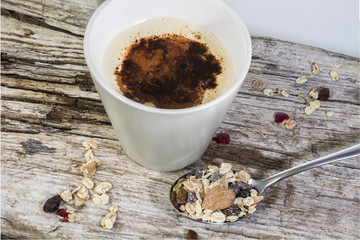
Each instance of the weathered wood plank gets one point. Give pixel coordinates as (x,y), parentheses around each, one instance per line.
(49,106)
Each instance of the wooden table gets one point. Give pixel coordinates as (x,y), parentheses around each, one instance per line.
(49,106)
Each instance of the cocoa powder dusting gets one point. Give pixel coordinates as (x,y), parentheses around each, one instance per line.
(169,71)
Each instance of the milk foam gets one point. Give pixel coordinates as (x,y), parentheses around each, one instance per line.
(116,49)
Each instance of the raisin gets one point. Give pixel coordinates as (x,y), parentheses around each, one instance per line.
(233,210)
(191,235)
(222,138)
(215,177)
(241,189)
(198,173)
(324,94)
(181,197)
(281,118)
(52,204)
(192,198)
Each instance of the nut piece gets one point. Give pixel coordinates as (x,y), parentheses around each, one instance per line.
(102,188)
(268,92)
(301,80)
(329,114)
(315,69)
(290,124)
(333,75)
(314,93)
(258,85)
(66,195)
(219,198)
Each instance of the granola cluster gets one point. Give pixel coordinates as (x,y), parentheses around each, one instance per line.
(216,194)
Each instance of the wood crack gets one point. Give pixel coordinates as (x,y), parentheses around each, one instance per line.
(35,21)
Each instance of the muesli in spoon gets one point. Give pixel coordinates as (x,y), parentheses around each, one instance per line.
(220,194)
(215,194)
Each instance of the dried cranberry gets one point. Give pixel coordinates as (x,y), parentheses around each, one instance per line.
(66,219)
(181,197)
(222,138)
(191,235)
(233,210)
(281,118)
(192,198)
(215,176)
(62,212)
(324,94)
(52,204)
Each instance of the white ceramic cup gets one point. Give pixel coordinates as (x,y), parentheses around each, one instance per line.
(165,139)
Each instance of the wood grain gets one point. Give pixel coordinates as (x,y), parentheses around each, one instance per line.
(49,106)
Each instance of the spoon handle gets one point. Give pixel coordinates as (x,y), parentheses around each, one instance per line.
(343,154)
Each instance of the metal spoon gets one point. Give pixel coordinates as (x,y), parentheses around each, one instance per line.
(261,185)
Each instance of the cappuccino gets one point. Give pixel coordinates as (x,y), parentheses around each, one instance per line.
(167,62)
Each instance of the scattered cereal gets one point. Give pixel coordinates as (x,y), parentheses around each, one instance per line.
(338,65)
(290,124)
(333,75)
(89,144)
(316,104)
(301,80)
(258,85)
(314,93)
(329,114)
(72,216)
(78,201)
(268,92)
(215,199)
(315,68)
(306,98)
(66,195)
(309,110)
(87,182)
(108,221)
(89,169)
(102,187)
(283,93)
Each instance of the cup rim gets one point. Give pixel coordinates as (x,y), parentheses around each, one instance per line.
(99,79)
